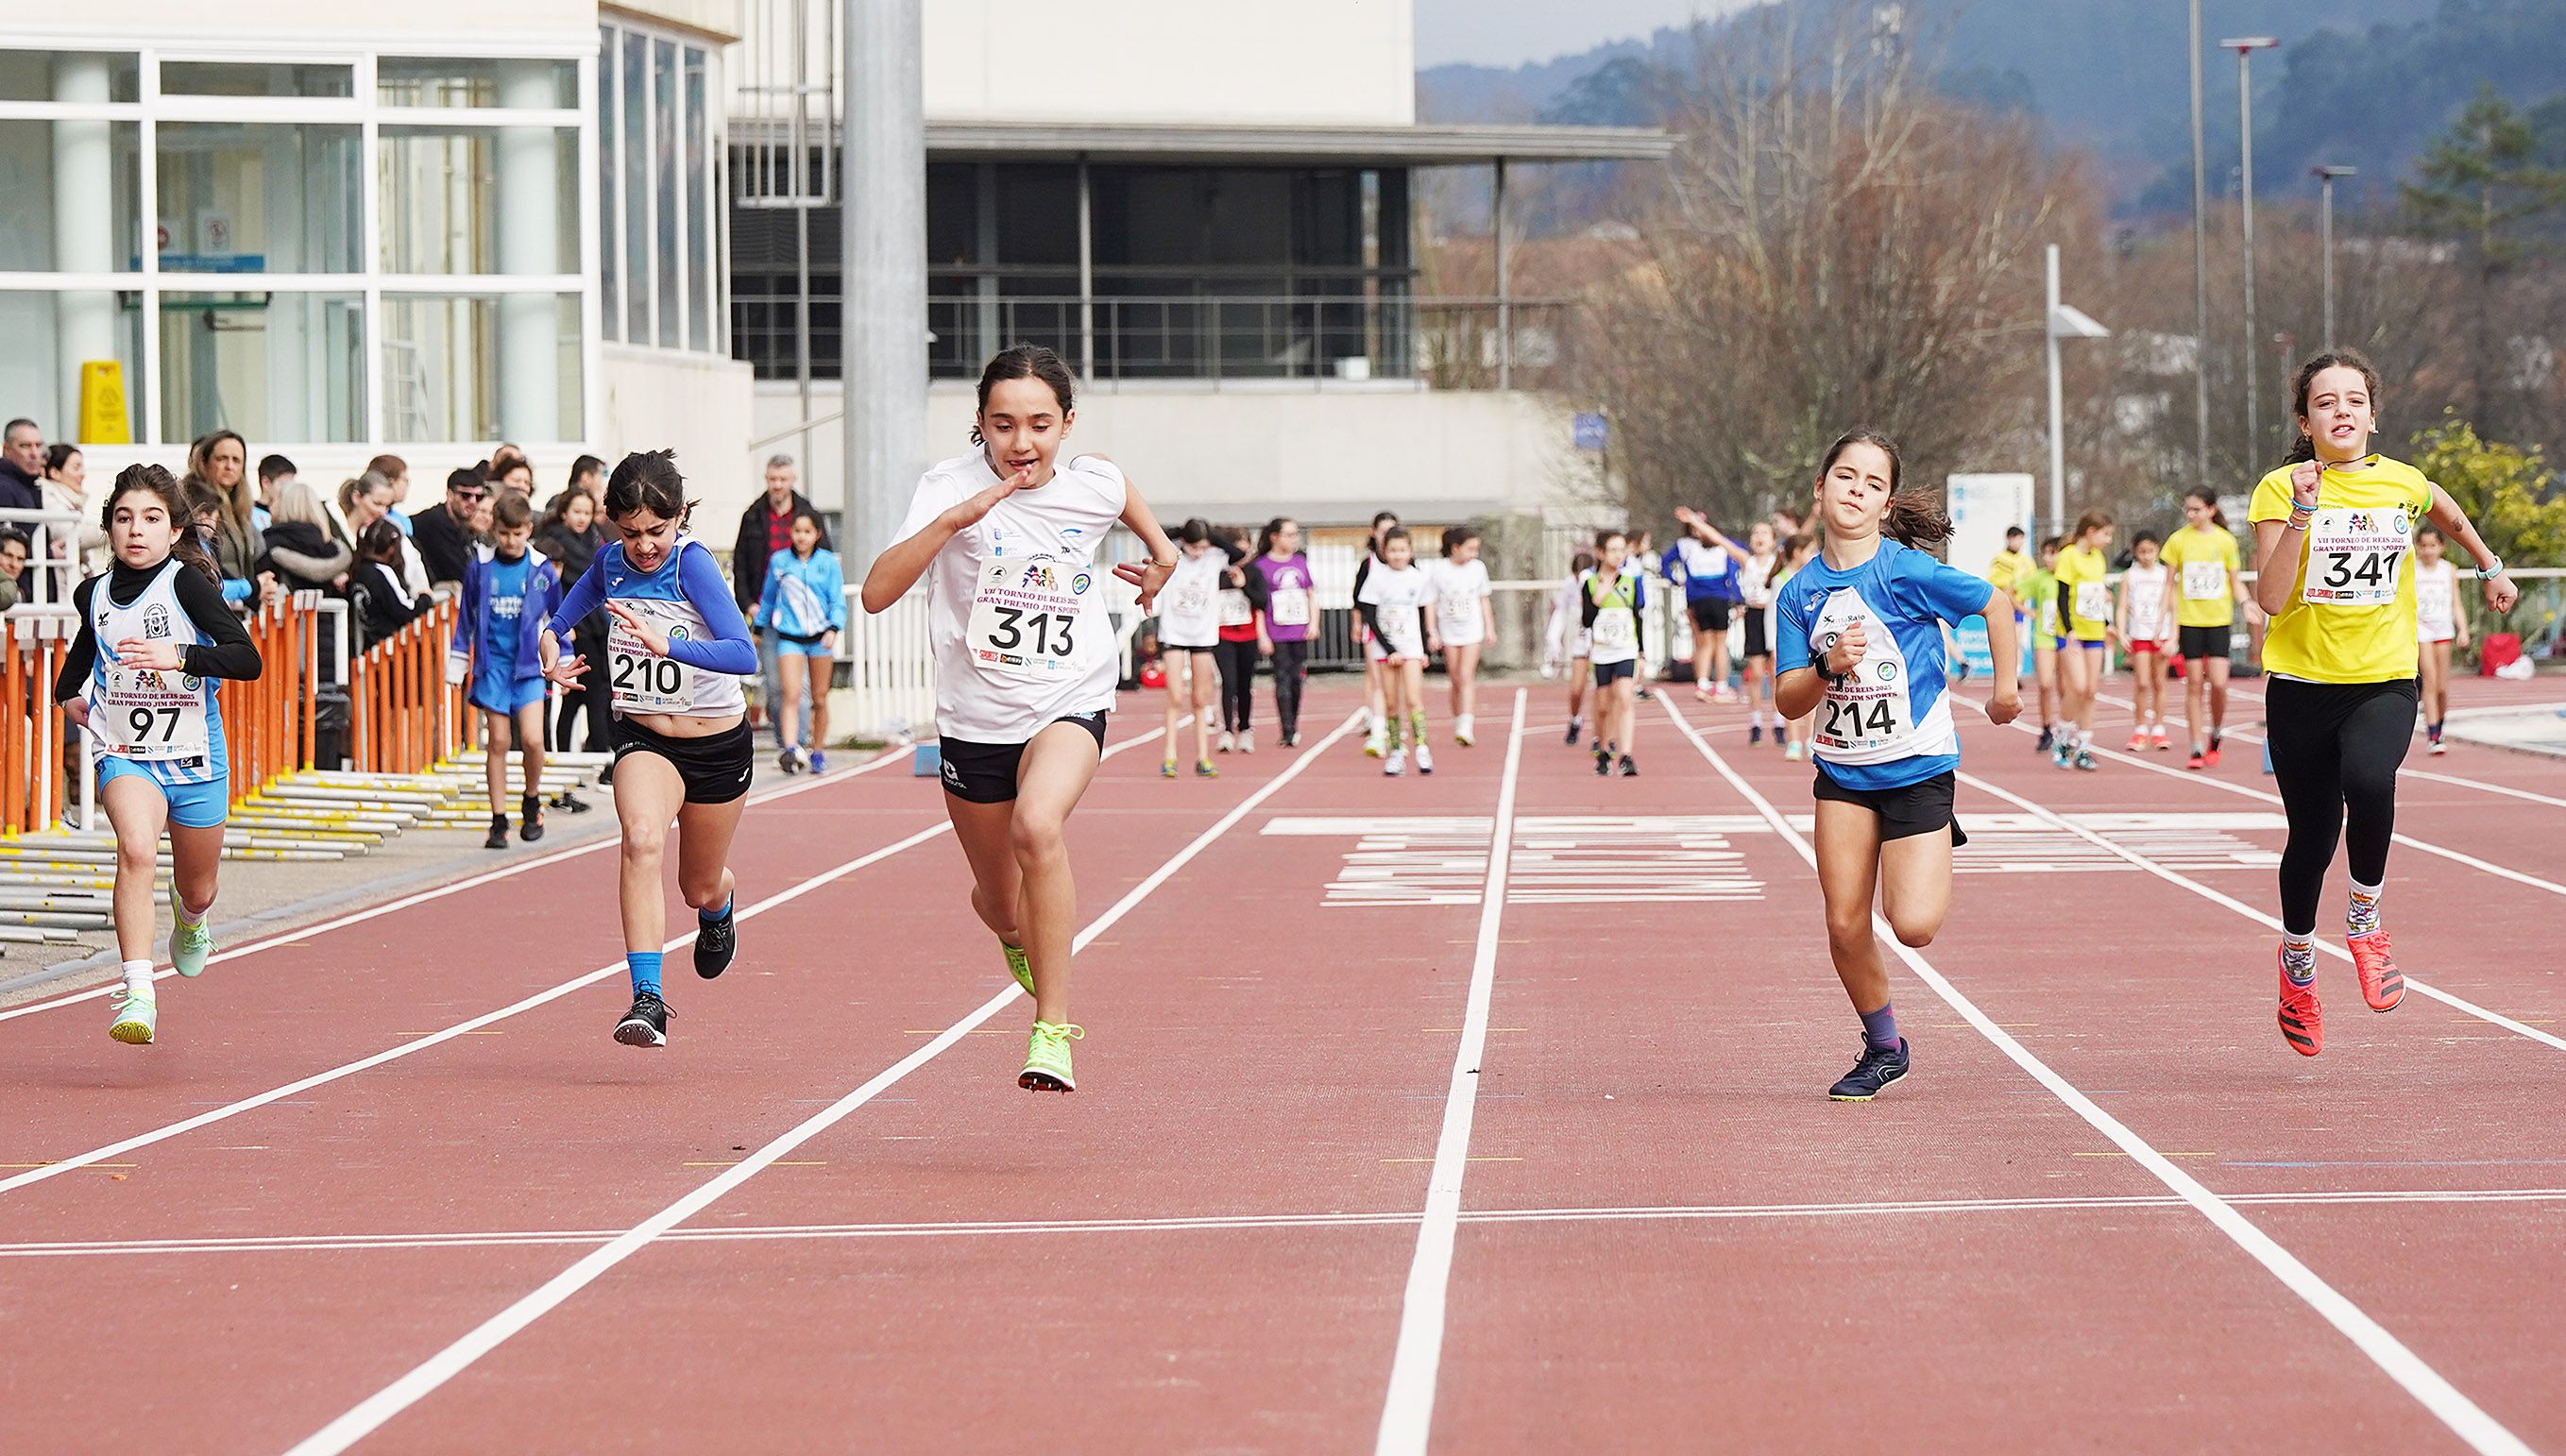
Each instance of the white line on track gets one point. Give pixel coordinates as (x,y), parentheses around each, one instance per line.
(465,1027)
(1407,1413)
(2466,1419)
(2173,876)
(2404,771)
(1251,1222)
(370,1413)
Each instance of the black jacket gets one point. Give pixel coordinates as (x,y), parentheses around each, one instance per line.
(382,606)
(303,556)
(445,544)
(750,552)
(572,553)
(18,492)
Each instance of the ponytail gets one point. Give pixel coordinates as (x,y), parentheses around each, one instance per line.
(2202,494)
(1917,518)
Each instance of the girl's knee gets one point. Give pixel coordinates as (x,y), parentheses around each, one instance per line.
(644,846)
(1034,838)
(1915,934)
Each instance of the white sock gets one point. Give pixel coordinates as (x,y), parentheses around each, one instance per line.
(1377,725)
(187,916)
(138,976)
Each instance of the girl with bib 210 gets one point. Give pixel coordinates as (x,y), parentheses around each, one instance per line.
(1006,540)
(2333,531)
(155,635)
(1862,644)
(675,651)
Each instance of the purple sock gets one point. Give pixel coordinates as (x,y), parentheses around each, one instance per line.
(1880,1028)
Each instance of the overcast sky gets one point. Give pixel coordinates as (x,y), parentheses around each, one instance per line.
(1511,32)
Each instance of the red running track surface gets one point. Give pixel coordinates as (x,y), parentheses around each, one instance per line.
(1664,1236)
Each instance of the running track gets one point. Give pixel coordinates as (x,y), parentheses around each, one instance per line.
(1544,1169)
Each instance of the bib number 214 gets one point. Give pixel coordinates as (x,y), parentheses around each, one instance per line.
(1850,720)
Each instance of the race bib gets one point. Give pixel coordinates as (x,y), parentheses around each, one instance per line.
(1290,607)
(2092,602)
(1869,709)
(1237,610)
(2205,580)
(640,680)
(1025,618)
(148,715)
(1189,601)
(1458,612)
(2355,555)
(2049,616)
(2147,608)
(1615,628)
(2436,610)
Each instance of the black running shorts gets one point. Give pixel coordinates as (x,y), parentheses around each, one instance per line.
(1915,809)
(715,768)
(985,773)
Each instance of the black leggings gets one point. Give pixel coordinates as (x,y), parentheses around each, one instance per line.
(2336,747)
(1237,683)
(1290,665)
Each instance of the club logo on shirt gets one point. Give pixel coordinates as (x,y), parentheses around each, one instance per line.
(679,633)
(156,621)
(1887,671)
(1078,584)
(2398,523)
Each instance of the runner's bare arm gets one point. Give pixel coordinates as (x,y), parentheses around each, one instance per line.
(2007,701)
(1163,551)
(899,568)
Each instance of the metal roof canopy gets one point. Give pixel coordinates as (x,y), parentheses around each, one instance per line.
(1279,145)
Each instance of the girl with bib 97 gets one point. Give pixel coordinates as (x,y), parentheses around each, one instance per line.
(155,635)
(2333,531)
(1006,538)
(676,649)
(1862,645)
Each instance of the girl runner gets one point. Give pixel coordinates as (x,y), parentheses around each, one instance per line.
(1285,625)
(154,635)
(1569,639)
(506,585)
(1708,564)
(2442,625)
(1189,630)
(2085,650)
(1610,601)
(1242,626)
(1393,603)
(2209,579)
(1861,646)
(1375,677)
(1006,539)
(1465,620)
(675,653)
(805,605)
(2331,532)
(2040,594)
(2147,625)
(1791,732)
(1749,572)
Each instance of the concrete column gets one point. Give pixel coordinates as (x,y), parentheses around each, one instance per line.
(85,238)
(883,271)
(529,204)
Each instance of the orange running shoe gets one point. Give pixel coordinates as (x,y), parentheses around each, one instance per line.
(2382,984)
(2302,1023)
(2137,741)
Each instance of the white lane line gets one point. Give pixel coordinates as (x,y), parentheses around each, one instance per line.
(465,1027)
(2209,780)
(2467,1421)
(2404,771)
(370,1413)
(1407,1413)
(1250,1222)
(2171,876)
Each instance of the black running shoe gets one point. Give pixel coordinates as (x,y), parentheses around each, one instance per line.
(1573,726)
(1630,770)
(1879,1067)
(1603,762)
(498,832)
(647,1024)
(716,941)
(530,818)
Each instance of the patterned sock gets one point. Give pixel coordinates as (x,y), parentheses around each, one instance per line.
(644,968)
(2363,917)
(2299,958)
(715,917)
(1880,1028)
(1417,727)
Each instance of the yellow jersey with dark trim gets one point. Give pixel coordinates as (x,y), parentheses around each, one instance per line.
(2350,617)
(2206,565)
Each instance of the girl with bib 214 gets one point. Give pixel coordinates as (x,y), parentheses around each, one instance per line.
(1862,644)
(1006,538)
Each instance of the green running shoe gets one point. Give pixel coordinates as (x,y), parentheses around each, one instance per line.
(1019,965)
(189,944)
(137,1016)
(1047,1058)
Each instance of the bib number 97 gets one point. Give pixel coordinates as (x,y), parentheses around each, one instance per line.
(149,724)
(1049,633)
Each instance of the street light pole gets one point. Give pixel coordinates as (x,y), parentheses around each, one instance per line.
(2062,322)
(2326,176)
(2246,47)
(2199,269)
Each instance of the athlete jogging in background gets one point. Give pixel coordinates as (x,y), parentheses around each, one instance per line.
(1861,646)
(1798,550)
(1396,602)
(1709,567)
(2085,650)
(1569,641)
(1188,638)
(1006,538)
(2210,581)
(141,677)
(1289,591)
(2040,604)
(2333,531)
(2146,626)
(1376,680)
(1611,602)
(2440,623)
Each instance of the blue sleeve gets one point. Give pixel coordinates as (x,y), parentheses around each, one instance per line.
(730,649)
(1945,590)
(585,596)
(1791,644)
(767,595)
(467,613)
(236,588)
(834,576)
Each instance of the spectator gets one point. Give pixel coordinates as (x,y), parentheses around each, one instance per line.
(511,472)
(501,459)
(444,534)
(273,473)
(588,475)
(366,500)
(299,551)
(205,510)
(22,464)
(397,470)
(570,535)
(766,527)
(382,603)
(219,461)
(13,560)
(66,488)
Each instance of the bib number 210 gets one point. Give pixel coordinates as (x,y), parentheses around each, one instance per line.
(647,676)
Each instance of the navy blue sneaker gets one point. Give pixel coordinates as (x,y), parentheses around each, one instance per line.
(1879,1067)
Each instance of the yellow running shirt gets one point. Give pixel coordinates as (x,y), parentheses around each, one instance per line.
(2205,563)
(2007,569)
(2350,617)
(2082,598)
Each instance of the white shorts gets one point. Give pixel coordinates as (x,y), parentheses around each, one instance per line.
(1580,643)
(1373,652)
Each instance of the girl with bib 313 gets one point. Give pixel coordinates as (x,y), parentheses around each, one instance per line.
(1006,538)
(675,650)
(155,635)
(1862,644)
(2333,531)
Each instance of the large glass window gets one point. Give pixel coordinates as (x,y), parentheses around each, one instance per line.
(610,238)
(51,337)
(68,76)
(699,206)
(277,79)
(659,114)
(479,199)
(481,367)
(667,147)
(272,366)
(258,197)
(633,145)
(426,81)
(72,201)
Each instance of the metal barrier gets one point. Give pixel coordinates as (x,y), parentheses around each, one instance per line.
(402,716)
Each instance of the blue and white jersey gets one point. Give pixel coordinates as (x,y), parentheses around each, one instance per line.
(166,722)
(709,650)
(804,597)
(1708,574)
(1888,724)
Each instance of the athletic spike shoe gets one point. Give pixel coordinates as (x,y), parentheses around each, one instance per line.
(1377,742)
(1791,752)
(498,839)
(1019,965)
(2084,761)
(1167,768)
(818,764)
(1879,1067)
(1754,734)
(2382,984)
(530,818)
(1394,763)
(1630,770)
(1046,1057)
(647,1024)
(2163,743)
(717,942)
(788,762)
(1465,730)
(1291,740)
(1603,762)
(2137,741)
(1203,770)
(1228,742)
(2061,753)
(2197,763)
(1247,740)
(138,1014)
(1573,726)
(2213,755)
(189,944)
(2302,1021)
(2048,739)
(1425,758)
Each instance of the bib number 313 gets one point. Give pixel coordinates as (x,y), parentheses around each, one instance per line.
(1025,618)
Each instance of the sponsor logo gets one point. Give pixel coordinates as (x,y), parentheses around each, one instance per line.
(2361,521)
(1078,584)
(2399,523)
(1040,577)
(1887,671)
